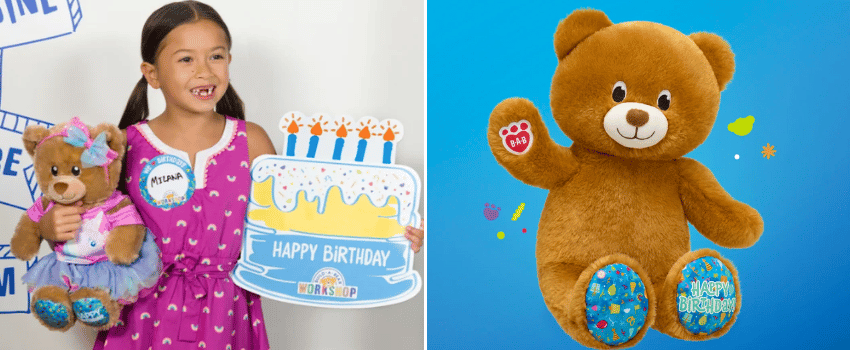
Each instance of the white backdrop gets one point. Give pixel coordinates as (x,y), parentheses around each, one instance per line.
(356,58)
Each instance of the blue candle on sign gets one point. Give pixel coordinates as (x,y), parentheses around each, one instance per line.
(361,145)
(314,140)
(290,145)
(341,133)
(388,145)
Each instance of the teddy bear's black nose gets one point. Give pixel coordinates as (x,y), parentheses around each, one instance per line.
(60,188)
(637,117)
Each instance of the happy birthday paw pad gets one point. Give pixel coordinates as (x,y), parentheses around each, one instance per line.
(91,312)
(706,296)
(53,314)
(616,304)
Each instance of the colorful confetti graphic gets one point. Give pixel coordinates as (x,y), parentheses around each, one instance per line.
(768,151)
(491,212)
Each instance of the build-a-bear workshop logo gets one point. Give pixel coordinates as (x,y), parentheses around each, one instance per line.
(23,22)
(326,218)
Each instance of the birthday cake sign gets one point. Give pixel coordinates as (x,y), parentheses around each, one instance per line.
(326,219)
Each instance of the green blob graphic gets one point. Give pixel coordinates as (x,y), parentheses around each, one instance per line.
(742,126)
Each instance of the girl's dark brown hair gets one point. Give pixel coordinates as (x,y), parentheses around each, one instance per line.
(158,25)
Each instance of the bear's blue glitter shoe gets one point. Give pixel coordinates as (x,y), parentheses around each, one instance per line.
(53,314)
(91,312)
(616,304)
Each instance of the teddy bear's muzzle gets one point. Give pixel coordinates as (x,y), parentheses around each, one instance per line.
(635,125)
(67,190)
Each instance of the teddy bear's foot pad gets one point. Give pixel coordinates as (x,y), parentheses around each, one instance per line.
(616,304)
(91,312)
(705,296)
(53,314)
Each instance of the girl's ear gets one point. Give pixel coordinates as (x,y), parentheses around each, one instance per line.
(149,71)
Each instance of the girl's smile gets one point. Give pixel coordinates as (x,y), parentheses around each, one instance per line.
(205,92)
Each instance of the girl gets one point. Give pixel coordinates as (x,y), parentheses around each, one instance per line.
(197,220)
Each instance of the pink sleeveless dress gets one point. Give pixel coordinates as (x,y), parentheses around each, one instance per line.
(197,221)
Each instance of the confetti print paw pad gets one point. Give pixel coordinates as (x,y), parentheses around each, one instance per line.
(517,137)
(616,304)
(91,312)
(706,296)
(53,314)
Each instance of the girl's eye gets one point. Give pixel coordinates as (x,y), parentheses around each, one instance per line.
(186,59)
(218,57)
(619,93)
(664,100)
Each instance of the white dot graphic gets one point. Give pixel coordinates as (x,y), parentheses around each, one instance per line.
(737,157)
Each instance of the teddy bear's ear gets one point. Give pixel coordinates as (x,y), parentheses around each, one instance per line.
(719,55)
(576,27)
(114,137)
(33,134)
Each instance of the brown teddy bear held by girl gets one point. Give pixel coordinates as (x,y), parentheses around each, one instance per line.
(613,248)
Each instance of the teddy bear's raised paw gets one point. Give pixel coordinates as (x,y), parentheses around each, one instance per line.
(517,137)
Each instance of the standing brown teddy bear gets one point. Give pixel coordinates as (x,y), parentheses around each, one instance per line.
(613,248)
(111,257)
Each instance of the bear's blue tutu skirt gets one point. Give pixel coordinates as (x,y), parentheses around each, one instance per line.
(124,283)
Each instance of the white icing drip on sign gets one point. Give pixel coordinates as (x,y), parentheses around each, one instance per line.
(378,183)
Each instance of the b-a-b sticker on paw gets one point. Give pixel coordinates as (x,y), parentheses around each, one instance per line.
(517,137)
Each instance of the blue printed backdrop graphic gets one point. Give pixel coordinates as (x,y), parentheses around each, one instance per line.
(791,75)
(23,22)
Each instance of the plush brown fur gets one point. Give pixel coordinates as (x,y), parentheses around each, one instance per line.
(611,203)
(90,187)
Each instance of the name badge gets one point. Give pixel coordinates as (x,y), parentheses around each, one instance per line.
(167,181)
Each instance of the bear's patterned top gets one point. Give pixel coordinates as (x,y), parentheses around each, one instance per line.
(195,304)
(88,246)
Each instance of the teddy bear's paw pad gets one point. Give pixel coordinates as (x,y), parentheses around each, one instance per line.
(53,314)
(517,137)
(91,312)
(616,304)
(705,295)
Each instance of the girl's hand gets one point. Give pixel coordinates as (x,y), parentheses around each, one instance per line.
(61,222)
(416,236)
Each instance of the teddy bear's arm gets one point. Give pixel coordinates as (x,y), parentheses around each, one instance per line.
(520,142)
(124,241)
(712,211)
(27,240)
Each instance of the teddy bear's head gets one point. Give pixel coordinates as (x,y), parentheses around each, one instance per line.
(637,90)
(75,162)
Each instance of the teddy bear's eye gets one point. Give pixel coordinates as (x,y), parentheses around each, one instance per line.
(619,93)
(54,170)
(664,100)
(75,170)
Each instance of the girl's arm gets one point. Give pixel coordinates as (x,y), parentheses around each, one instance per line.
(258,141)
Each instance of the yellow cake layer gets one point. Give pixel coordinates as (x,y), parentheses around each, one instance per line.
(361,219)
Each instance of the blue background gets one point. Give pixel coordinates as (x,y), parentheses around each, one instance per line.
(791,75)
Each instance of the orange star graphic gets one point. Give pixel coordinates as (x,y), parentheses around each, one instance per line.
(768,151)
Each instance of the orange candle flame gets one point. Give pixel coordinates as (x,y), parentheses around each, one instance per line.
(364,133)
(389,135)
(316,130)
(293,128)
(341,132)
